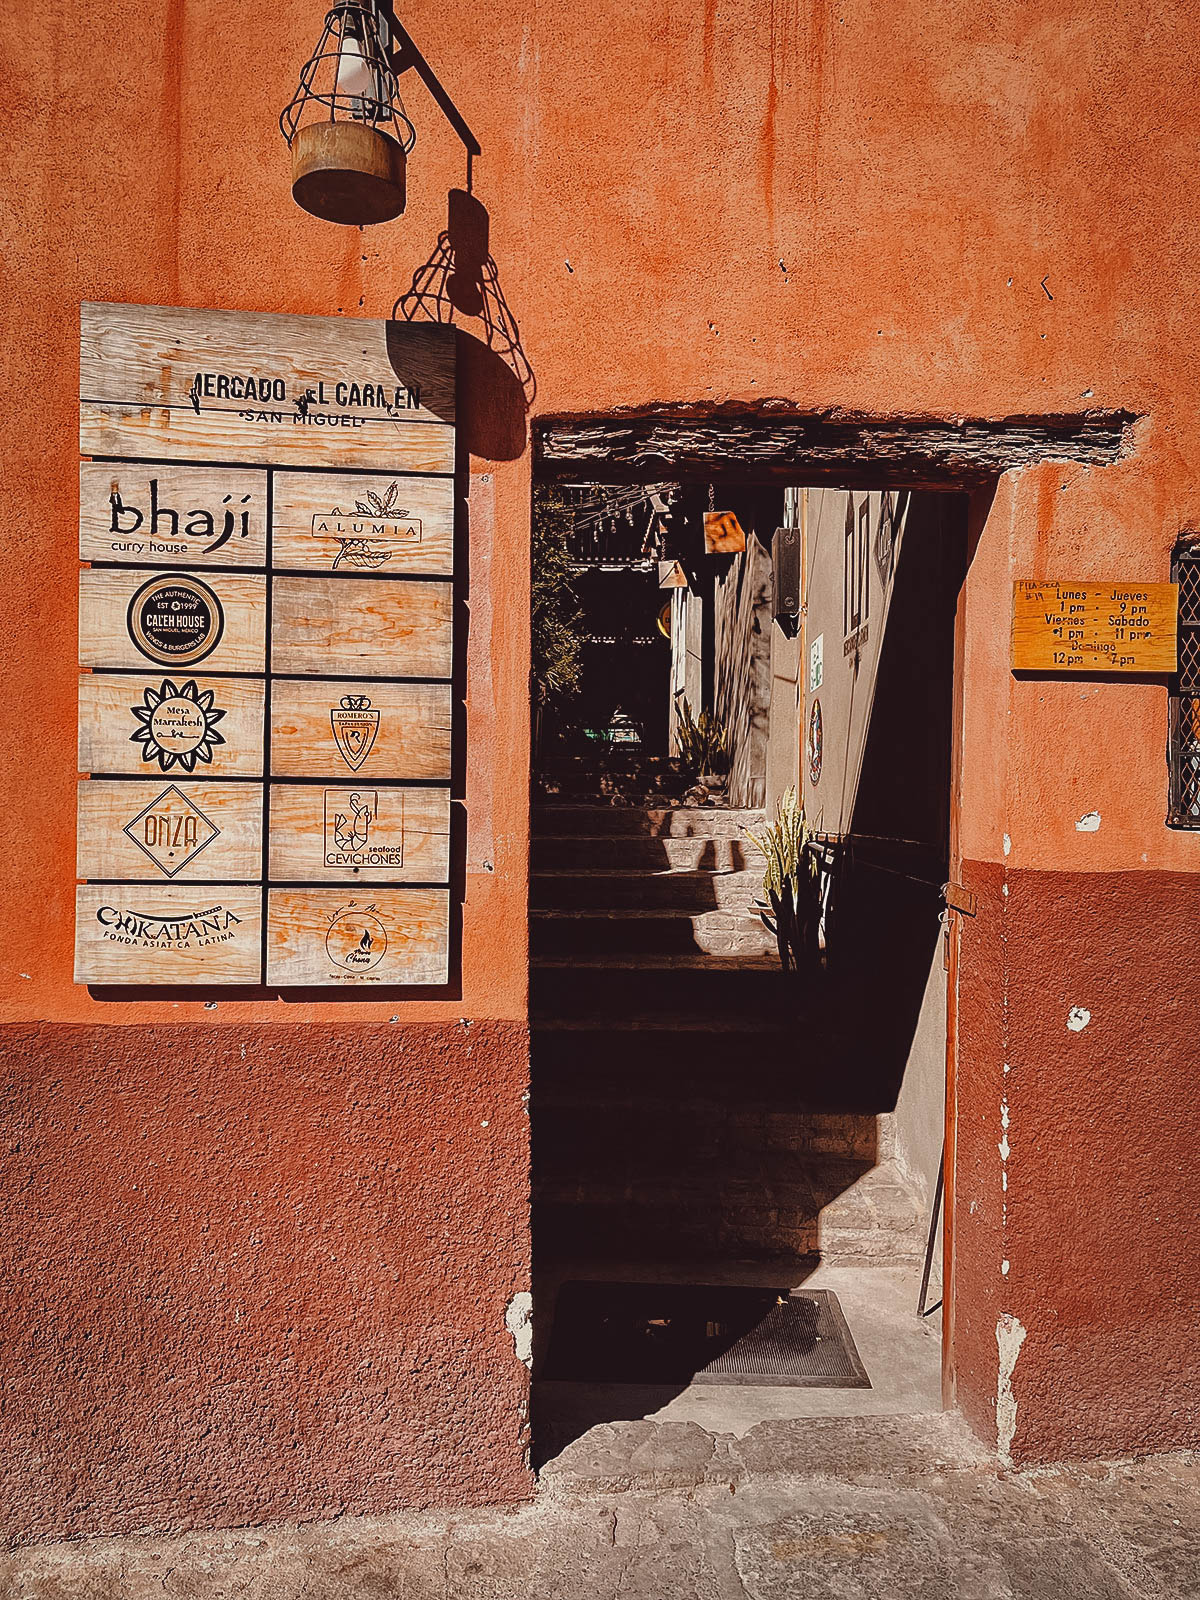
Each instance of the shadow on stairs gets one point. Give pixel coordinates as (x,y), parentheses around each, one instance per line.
(684,1125)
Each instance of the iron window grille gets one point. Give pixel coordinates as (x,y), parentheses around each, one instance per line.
(856,582)
(1183,747)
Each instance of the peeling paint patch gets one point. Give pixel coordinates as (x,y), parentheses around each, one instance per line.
(518,1319)
(1004,1266)
(1007,845)
(1078,1018)
(1010,1336)
(1088,823)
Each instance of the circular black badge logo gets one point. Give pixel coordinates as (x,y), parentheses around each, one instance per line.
(175,620)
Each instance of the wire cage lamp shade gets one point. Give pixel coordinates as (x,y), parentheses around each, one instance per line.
(346,125)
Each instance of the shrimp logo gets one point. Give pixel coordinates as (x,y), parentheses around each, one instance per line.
(364,828)
(353,833)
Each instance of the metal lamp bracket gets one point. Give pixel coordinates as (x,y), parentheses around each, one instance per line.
(405,57)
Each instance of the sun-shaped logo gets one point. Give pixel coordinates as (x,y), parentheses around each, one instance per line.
(178,725)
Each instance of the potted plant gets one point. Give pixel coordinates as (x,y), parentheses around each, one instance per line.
(703,747)
(790,883)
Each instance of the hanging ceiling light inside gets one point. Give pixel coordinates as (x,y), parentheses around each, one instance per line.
(346,126)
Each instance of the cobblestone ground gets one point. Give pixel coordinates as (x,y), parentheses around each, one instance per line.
(861,1509)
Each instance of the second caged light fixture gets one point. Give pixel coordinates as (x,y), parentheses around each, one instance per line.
(346,125)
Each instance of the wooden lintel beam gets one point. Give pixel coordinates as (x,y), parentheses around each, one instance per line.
(918,453)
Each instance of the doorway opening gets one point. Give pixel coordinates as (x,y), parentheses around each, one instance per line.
(705,1124)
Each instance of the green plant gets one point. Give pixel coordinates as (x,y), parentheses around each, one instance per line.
(556,617)
(790,882)
(702,742)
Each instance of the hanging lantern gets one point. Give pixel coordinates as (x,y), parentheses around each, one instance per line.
(346,126)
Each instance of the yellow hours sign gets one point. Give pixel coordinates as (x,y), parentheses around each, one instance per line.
(1095,627)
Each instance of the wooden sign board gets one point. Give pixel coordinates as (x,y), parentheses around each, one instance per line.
(1095,627)
(355,523)
(167,383)
(172,516)
(354,833)
(381,936)
(340,625)
(175,620)
(266,628)
(136,933)
(723,533)
(181,723)
(360,732)
(180,831)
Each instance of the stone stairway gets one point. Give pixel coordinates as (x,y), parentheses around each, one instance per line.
(679,1108)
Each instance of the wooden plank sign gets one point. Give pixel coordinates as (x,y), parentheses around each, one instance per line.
(723,533)
(177,620)
(139,933)
(360,732)
(183,831)
(1094,627)
(154,722)
(172,516)
(343,626)
(351,522)
(266,638)
(355,833)
(371,936)
(167,383)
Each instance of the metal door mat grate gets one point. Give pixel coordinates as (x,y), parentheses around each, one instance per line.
(693,1333)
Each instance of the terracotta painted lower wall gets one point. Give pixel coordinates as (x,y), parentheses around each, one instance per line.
(262,1273)
(1097,1128)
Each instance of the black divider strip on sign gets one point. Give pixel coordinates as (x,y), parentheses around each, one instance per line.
(267,466)
(202,670)
(175,883)
(371,886)
(218,571)
(333,886)
(343,677)
(290,778)
(376,575)
(265,841)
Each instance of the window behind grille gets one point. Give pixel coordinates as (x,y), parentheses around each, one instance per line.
(856,582)
(1184,747)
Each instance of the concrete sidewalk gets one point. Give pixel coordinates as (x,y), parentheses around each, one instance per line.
(903,1508)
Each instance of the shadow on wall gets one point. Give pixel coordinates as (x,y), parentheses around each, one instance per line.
(742,612)
(460,279)
(888,917)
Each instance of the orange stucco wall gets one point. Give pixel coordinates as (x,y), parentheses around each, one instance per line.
(939,209)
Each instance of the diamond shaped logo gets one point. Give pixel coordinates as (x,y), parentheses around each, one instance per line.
(171,831)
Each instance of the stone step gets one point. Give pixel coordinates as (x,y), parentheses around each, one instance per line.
(629,851)
(626,1221)
(843,1209)
(706,822)
(686,1037)
(877,1220)
(677,890)
(767,1057)
(806,1456)
(592,931)
(577,1124)
(612,986)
